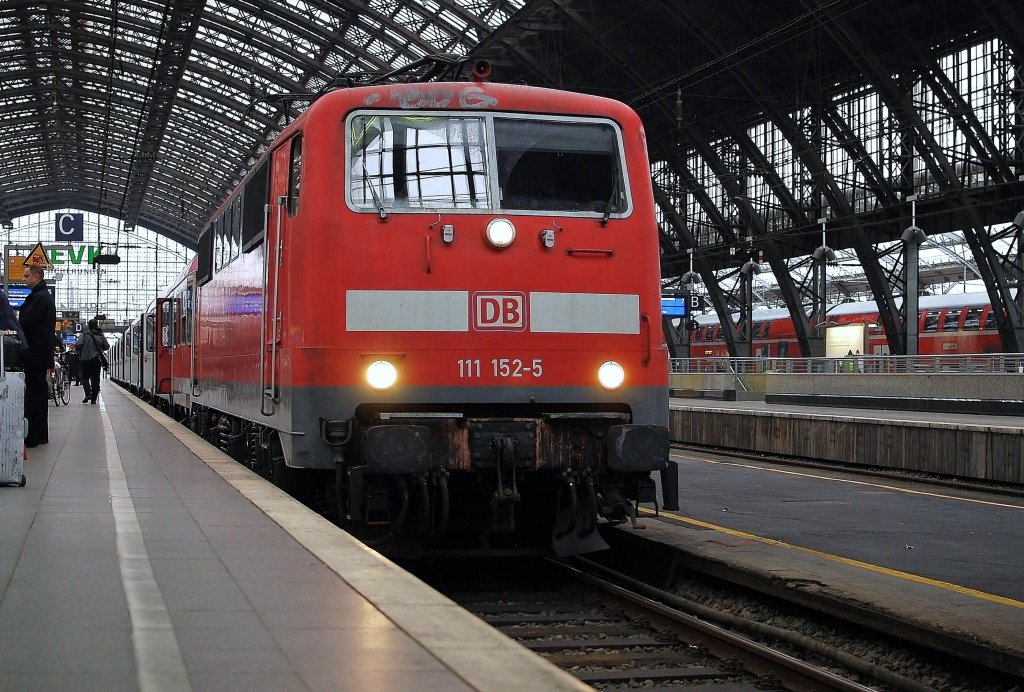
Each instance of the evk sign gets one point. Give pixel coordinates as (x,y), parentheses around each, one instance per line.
(499,311)
(70,228)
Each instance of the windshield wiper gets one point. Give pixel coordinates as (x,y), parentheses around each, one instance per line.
(373,191)
(361,152)
(616,185)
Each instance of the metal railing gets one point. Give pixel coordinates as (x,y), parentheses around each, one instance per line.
(960,364)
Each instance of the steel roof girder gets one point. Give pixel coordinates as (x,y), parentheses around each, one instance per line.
(181,23)
(815,165)
(1010,320)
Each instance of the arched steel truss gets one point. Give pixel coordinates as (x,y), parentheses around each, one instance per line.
(766,121)
(151,111)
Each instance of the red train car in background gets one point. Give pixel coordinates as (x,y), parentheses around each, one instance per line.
(433,310)
(948,325)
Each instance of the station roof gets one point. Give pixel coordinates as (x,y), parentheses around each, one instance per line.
(153,111)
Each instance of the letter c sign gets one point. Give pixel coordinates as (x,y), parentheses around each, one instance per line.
(70,228)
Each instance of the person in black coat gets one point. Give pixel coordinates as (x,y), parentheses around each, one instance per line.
(37,318)
(73,366)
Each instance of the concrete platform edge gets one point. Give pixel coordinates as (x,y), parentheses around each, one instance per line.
(480,655)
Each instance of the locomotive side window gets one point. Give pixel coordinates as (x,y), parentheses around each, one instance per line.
(235,230)
(295,176)
(254,197)
(185,332)
(218,244)
(558,166)
(417,162)
(204,271)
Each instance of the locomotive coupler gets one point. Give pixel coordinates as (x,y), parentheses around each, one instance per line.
(442,506)
(565,518)
(507,493)
(575,527)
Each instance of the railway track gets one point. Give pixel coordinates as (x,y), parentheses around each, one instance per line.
(614,631)
(611,637)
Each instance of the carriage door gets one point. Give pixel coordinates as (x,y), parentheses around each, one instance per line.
(286,166)
(164,344)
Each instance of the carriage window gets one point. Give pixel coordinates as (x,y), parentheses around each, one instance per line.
(931,321)
(167,323)
(765,328)
(952,322)
(972,320)
(151,331)
(295,176)
(417,162)
(136,338)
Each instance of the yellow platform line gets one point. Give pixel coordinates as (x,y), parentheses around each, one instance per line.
(1002,600)
(850,481)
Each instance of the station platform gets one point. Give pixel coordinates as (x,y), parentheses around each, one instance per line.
(951,418)
(138,557)
(926,557)
(969,446)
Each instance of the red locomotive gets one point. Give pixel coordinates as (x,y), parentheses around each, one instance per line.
(948,325)
(433,308)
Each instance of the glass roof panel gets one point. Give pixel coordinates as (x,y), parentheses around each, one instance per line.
(78,86)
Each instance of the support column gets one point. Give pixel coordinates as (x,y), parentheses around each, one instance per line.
(819,311)
(912,239)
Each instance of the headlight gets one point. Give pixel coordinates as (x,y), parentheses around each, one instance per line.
(611,375)
(381,374)
(501,233)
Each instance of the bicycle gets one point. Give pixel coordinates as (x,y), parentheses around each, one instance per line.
(61,388)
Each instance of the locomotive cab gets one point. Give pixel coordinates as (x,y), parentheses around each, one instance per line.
(451,311)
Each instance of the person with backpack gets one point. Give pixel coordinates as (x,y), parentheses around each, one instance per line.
(90,346)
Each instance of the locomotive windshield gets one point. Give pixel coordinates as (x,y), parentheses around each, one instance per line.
(458,162)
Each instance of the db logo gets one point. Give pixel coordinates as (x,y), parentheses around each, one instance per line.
(499,311)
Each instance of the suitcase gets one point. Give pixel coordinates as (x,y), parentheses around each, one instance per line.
(12,429)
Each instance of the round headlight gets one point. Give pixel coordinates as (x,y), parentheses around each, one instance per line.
(501,233)
(381,374)
(611,375)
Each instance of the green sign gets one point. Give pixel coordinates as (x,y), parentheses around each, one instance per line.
(83,254)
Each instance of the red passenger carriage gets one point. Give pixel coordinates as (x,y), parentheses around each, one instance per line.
(947,325)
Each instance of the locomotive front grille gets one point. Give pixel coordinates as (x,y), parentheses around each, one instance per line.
(543,442)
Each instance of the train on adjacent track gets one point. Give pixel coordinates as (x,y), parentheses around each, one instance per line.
(947,325)
(432,310)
